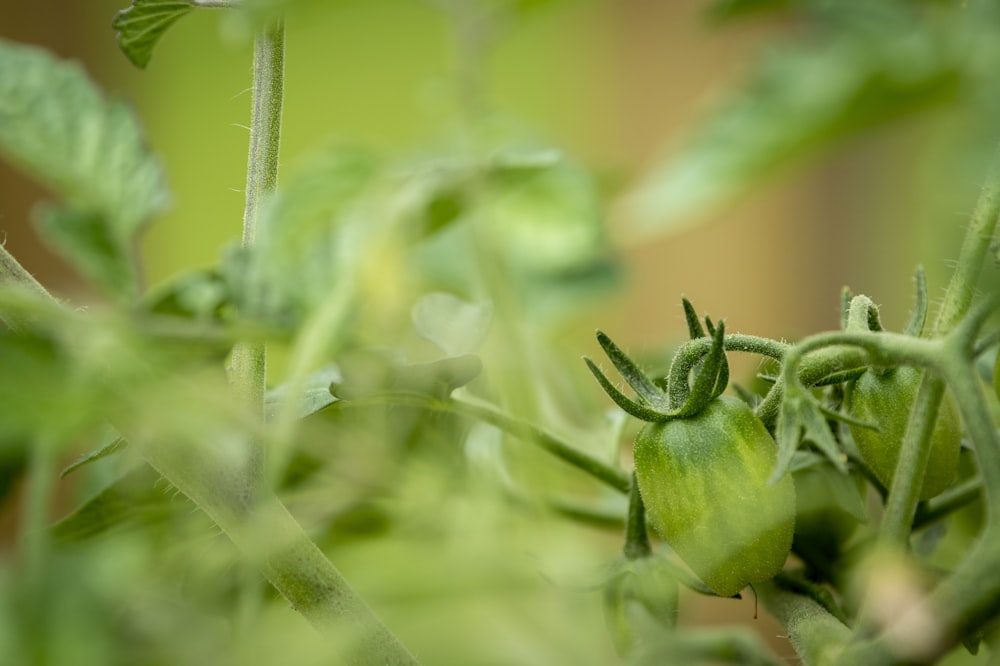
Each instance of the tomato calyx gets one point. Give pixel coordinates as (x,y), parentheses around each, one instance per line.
(653,403)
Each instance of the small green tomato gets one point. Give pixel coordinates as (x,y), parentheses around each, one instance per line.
(885,401)
(705,484)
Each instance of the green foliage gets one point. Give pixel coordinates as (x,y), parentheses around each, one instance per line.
(423,429)
(141,26)
(90,152)
(858,66)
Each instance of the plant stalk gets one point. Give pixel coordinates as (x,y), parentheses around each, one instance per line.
(818,636)
(249,359)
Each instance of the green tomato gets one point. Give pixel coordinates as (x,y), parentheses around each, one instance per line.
(705,483)
(885,400)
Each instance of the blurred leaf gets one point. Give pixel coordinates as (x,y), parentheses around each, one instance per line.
(435,195)
(367,372)
(137,498)
(454,325)
(543,212)
(197,295)
(117,445)
(867,64)
(84,238)
(315,396)
(308,242)
(55,125)
(41,389)
(142,24)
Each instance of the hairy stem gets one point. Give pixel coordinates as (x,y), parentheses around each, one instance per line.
(249,359)
(693,351)
(914,453)
(818,636)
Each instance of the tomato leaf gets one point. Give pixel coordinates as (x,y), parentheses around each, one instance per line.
(84,237)
(141,25)
(55,125)
(454,325)
(311,237)
(315,395)
(867,65)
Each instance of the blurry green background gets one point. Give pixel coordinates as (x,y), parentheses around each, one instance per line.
(614,83)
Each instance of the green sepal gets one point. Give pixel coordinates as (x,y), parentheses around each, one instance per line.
(634,376)
(706,381)
(801,417)
(714,371)
(695,329)
(628,405)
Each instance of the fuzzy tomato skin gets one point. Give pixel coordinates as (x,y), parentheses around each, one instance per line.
(885,401)
(704,481)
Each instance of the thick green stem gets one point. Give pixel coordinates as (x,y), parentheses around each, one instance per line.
(818,636)
(914,453)
(249,360)
(207,461)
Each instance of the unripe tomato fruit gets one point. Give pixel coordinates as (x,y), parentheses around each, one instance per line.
(885,401)
(705,483)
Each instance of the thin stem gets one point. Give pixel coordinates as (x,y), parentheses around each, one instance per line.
(973,406)
(914,454)
(608,474)
(611,476)
(249,359)
(942,506)
(978,237)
